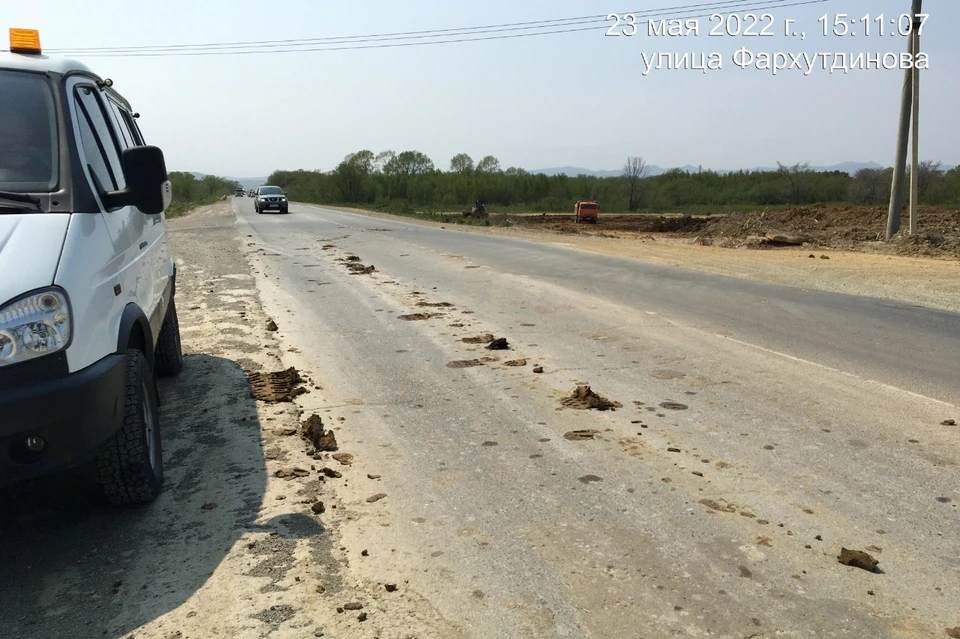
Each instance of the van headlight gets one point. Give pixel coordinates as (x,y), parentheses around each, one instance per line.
(33,326)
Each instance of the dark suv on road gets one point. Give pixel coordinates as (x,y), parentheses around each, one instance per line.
(270,198)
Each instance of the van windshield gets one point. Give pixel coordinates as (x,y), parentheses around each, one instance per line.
(28,133)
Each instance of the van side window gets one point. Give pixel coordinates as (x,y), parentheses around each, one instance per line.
(122,126)
(137,134)
(98,146)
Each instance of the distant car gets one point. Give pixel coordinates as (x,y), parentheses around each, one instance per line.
(238,192)
(251,192)
(270,198)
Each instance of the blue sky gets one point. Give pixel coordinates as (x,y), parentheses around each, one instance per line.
(573,99)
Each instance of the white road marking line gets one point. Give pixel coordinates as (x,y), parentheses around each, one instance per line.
(837,370)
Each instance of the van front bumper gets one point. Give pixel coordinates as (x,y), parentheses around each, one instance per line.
(49,425)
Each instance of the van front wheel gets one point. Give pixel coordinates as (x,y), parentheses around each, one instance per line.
(168,357)
(130,470)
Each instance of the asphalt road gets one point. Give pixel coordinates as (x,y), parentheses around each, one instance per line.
(807,422)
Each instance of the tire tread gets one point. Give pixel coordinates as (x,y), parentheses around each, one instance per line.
(123,469)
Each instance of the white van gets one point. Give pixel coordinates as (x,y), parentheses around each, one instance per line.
(87,318)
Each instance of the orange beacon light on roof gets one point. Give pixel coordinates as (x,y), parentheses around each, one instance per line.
(24,41)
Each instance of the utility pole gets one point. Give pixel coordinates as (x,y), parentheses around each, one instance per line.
(915,134)
(903,133)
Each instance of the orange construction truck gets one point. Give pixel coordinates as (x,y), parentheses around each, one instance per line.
(586,212)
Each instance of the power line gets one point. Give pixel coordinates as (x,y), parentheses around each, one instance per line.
(384,41)
(402,35)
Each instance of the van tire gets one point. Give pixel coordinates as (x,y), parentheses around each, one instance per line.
(168,357)
(125,473)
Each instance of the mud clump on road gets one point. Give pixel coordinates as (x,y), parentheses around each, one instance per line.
(499,344)
(435,304)
(291,471)
(412,317)
(857,559)
(580,435)
(516,362)
(345,459)
(464,363)
(721,505)
(272,326)
(673,405)
(314,432)
(485,338)
(584,398)
(360,269)
(278,386)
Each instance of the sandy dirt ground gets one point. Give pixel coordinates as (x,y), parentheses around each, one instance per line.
(925,281)
(243,541)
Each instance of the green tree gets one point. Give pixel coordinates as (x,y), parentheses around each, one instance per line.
(870,186)
(488,164)
(795,177)
(381,160)
(633,173)
(461,163)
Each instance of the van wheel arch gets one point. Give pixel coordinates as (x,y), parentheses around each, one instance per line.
(135,333)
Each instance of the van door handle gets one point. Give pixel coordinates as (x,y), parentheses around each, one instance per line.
(143,245)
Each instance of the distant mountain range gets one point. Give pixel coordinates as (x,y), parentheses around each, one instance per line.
(846,167)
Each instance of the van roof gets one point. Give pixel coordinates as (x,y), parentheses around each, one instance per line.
(42,63)
(47,64)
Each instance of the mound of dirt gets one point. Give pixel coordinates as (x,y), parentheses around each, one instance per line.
(313,431)
(843,227)
(485,338)
(584,398)
(435,304)
(411,317)
(278,386)
(635,223)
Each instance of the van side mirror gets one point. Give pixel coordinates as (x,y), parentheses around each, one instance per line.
(148,187)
